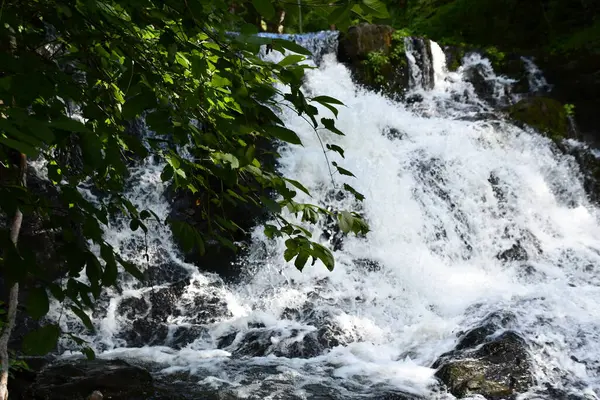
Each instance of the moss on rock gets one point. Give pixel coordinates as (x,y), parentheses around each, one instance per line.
(466,377)
(498,368)
(375,55)
(544,114)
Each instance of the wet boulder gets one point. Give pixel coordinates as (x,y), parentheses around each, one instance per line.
(69,380)
(489,361)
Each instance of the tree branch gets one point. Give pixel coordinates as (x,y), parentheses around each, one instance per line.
(13,300)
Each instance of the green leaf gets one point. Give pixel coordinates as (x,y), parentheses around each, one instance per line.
(330,124)
(131,268)
(298,185)
(341,170)
(271,231)
(83,317)
(291,59)
(324,255)
(69,125)
(41,341)
(291,46)
(327,100)
(89,353)
(337,149)
(37,303)
(56,291)
(167,173)
(109,277)
(19,146)
(356,194)
(301,259)
(345,221)
(264,8)
(249,29)
(377,8)
(340,15)
(283,134)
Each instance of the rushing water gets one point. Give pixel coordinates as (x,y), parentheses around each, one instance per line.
(449,185)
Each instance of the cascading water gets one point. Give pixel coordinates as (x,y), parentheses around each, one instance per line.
(447,195)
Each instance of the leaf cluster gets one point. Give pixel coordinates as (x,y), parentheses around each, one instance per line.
(75,73)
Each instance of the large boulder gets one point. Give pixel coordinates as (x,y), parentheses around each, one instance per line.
(363,39)
(376,57)
(488,360)
(76,380)
(546,115)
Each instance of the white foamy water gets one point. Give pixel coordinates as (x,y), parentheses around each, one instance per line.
(437,226)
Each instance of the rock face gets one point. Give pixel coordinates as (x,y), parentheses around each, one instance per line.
(75,380)
(496,366)
(542,113)
(376,57)
(363,39)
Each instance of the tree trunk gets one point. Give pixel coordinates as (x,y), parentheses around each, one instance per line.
(13,299)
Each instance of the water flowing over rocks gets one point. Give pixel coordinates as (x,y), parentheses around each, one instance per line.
(469,215)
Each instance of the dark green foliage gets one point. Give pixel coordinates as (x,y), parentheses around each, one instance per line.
(174,62)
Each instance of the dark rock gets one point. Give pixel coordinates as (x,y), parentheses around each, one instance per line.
(297,343)
(133,307)
(490,325)
(361,40)
(500,368)
(73,380)
(367,264)
(479,76)
(144,332)
(376,57)
(393,133)
(515,253)
(544,114)
(184,335)
(227,340)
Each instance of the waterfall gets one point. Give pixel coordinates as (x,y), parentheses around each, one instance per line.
(418,53)
(450,187)
(535,77)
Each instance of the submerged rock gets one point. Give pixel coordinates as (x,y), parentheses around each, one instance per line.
(496,367)
(115,379)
